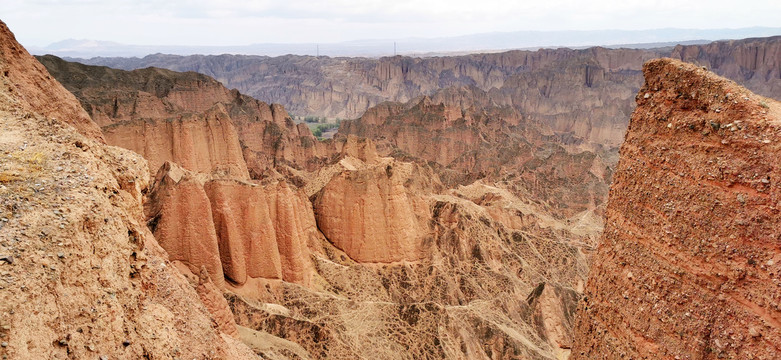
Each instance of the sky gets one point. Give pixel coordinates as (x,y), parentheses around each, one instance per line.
(227,22)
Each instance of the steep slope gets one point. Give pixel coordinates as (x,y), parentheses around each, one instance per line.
(26,81)
(188,118)
(346,87)
(492,143)
(80,274)
(354,255)
(689,264)
(752,63)
(235,229)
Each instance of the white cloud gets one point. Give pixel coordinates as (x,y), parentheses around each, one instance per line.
(212,22)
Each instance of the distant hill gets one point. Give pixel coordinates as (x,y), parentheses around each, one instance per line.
(347,87)
(486,42)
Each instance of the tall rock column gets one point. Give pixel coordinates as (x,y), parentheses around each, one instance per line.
(690,261)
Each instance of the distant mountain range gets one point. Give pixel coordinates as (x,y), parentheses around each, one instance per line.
(487,42)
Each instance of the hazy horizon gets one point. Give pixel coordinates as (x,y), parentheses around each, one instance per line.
(39,23)
(419,46)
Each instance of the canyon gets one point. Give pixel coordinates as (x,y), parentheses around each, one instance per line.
(457,214)
(347,87)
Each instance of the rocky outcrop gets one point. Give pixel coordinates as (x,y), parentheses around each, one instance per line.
(752,63)
(190,119)
(236,230)
(207,143)
(689,265)
(373,212)
(28,86)
(81,276)
(586,94)
(491,143)
(461,300)
(318,86)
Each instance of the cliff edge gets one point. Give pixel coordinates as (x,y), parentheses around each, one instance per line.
(690,261)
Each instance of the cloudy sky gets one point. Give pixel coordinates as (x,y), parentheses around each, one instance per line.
(228,22)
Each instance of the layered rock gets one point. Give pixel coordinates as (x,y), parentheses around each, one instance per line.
(347,87)
(207,143)
(458,301)
(373,213)
(236,230)
(190,119)
(81,276)
(29,86)
(584,94)
(752,63)
(492,143)
(688,266)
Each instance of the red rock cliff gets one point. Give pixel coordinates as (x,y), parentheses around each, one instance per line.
(28,82)
(190,119)
(81,276)
(236,230)
(690,261)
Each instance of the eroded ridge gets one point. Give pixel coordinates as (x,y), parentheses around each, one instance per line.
(689,261)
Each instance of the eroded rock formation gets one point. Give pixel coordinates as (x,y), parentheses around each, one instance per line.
(189,119)
(458,225)
(234,229)
(81,276)
(752,63)
(29,86)
(492,143)
(689,264)
(375,213)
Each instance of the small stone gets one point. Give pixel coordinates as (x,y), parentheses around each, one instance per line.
(7,258)
(646,96)
(64,342)
(126,343)
(742,198)
(765,181)
(718,111)
(753,331)
(4,344)
(60,255)
(770,263)
(670,125)
(766,141)
(103,357)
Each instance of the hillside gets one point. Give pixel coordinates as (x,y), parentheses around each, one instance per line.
(347,87)
(81,276)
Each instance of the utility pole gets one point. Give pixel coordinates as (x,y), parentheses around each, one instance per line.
(318,50)
(394,48)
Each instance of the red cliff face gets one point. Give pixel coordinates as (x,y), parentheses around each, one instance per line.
(689,264)
(205,143)
(237,230)
(31,87)
(372,213)
(491,143)
(81,275)
(190,119)
(752,63)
